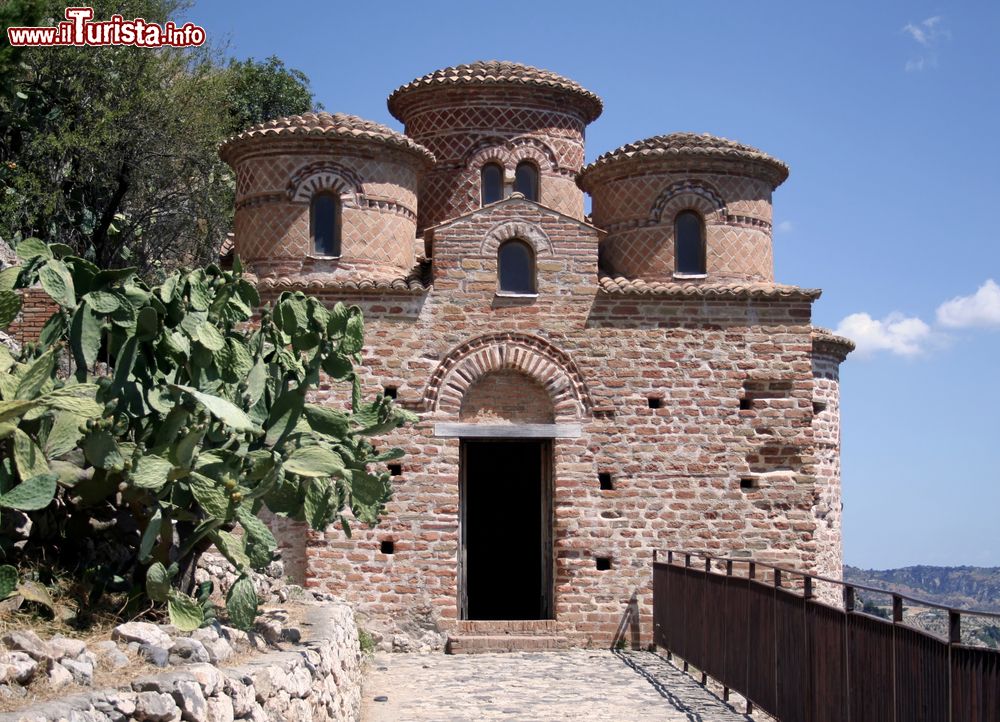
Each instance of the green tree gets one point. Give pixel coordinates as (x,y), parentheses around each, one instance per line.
(259,91)
(113,150)
(175,422)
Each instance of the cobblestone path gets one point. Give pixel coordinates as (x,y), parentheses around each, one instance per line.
(592,685)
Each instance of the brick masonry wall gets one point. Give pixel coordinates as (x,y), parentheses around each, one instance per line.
(507,396)
(468,127)
(638,211)
(826,432)
(36,308)
(377,186)
(677,469)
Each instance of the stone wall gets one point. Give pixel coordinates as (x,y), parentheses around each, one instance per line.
(826,430)
(679,469)
(315,680)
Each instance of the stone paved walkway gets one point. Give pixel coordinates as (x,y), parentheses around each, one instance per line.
(592,685)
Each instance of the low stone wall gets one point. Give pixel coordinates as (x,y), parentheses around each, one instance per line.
(316,680)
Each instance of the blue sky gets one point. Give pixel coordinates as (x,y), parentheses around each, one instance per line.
(888,114)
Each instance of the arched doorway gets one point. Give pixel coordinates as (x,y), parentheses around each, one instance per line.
(506,500)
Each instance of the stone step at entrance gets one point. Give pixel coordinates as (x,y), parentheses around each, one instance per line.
(491,636)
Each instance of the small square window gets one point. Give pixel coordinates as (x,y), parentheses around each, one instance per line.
(655,402)
(818,408)
(603,563)
(387,546)
(390,391)
(395,469)
(748,483)
(605,480)
(746,403)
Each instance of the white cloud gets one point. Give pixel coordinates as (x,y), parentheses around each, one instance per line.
(981,309)
(926,31)
(785,227)
(896,333)
(928,34)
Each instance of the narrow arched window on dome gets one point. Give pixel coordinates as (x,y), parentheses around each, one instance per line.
(324,223)
(526,180)
(516,267)
(689,235)
(491,182)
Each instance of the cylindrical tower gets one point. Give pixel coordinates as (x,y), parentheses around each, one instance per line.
(502,115)
(325,197)
(685,206)
(828,352)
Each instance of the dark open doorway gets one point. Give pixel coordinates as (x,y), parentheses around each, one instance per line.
(506,530)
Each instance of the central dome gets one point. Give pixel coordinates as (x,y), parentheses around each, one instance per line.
(496,73)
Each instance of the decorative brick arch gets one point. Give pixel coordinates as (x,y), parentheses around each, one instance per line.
(322,176)
(507,230)
(508,153)
(535,357)
(684,195)
(529,148)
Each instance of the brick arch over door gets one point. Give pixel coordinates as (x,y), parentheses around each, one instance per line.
(535,357)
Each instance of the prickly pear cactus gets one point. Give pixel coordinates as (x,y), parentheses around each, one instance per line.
(187,415)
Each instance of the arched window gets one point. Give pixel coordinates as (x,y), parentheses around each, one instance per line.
(516,267)
(689,235)
(491,182)
(324,224)
(526,180)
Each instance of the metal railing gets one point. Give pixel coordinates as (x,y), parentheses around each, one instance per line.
(767,637)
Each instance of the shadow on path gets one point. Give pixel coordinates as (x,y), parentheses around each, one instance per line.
(668,681)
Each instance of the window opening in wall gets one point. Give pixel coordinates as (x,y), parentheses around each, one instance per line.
(746,403)
(395,469)
(605,480)
(526,180)
(748,483)
(390,392)
(491,183)
(324,224)
(654,402)
(603,563)
(516,267)
(387,546)
(818,408)
(689,235)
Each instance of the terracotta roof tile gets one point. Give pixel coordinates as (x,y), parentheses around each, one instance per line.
(690,147)
(639,287)
(497,72)
(417,281)
(328,125)
(825,339)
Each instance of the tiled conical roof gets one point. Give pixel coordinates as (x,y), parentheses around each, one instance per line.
(497,72)
(690,148)
(328,125)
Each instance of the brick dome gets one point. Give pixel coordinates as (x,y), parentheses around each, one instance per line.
(372,171)
(640,189)
(496,73)
(688,150)
(341,126)
(498,113)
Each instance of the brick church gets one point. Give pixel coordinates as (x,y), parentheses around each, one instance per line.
(590,388)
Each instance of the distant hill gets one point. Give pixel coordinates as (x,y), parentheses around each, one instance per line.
(962,587)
